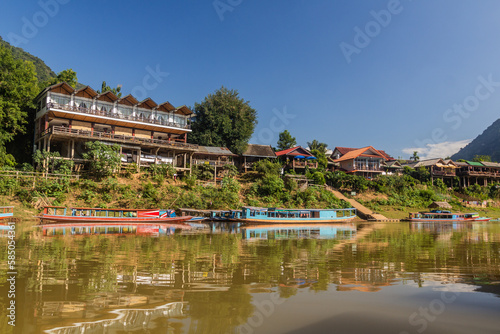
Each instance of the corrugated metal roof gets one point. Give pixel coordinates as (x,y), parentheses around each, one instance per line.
(214,150)
(474,163)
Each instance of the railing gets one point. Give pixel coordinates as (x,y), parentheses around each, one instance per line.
(88,111)
(20,174)
(478,173)
(107,135)
(443,173)
(211,162)
(369,168)
(304,164)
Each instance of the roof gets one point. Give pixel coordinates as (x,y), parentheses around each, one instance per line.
(214,150)
(183,110)
(59,87)
(425,163)
(345,150)
(474,163)
(360,151)
(147,103)
(393,164)
(263,151)
(490,164)
(294,151)
(440,205)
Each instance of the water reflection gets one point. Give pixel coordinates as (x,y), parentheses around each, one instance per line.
(214,275)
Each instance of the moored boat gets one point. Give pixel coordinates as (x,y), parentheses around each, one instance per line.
(59,214)
(293,216)
(444,215)
(6,212)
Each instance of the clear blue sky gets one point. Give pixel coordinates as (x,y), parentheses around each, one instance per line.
(287,56)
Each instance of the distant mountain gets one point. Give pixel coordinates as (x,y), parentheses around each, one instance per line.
(42,70)
(487,143)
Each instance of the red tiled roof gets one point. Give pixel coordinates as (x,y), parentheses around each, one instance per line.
(344,150)
(356,153)
(290,151)
(387,156)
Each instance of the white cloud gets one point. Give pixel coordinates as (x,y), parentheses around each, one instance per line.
(440,150)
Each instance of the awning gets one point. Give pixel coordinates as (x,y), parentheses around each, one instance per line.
(299,157)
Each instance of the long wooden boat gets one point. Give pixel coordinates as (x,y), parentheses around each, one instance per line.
(60,214)
(6,212)
(293,216)
(445,216)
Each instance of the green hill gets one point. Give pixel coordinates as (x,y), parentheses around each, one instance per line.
(43,71)
(487,143)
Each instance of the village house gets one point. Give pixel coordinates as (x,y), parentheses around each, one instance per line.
(297,158)
(147,132)
(438,168)
(366,161)
(254,153)
(482,173)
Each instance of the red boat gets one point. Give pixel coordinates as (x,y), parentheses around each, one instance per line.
(60,214)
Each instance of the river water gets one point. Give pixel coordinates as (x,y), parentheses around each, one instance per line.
(220,278)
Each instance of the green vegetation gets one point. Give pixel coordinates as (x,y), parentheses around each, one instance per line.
(286,141)
(224,119)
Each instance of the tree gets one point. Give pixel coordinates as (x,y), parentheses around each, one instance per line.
(224,119)
(104,159)
(68,76)
(316,145)
(415,156)
(479,158)
(18,88)
(286,141)
(105,88)
(322,160)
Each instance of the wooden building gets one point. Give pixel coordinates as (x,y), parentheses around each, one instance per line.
(366,161)
(482,173)
(438,168)
(147,132)
(254,153)
(297,158)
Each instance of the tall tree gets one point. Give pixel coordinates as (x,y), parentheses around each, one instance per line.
(316,145)
(286,141)
(105,88)
(18,88)
(68,76)
(415,156)
(224,119)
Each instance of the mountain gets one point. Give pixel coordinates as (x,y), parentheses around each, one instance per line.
(43,71)
(487,143)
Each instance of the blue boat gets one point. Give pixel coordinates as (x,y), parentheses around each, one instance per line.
(6,212)
(256,215)
(446,216)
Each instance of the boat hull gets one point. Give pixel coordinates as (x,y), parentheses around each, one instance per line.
(479,219)
(115,220)
(306,221)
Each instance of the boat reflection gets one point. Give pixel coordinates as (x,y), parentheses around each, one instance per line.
(114,229)
(299,231)
(440,226)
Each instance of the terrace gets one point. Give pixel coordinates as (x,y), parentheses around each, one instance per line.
(68,132)
(115,113)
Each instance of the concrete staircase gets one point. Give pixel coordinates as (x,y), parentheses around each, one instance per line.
(363,211)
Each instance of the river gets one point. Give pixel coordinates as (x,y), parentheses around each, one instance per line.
(362,277)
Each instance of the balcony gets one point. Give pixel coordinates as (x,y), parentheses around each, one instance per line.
(365,168)
(477,173)
(212,162)
(98,135)
(443,173)
(117,116)
(304,164)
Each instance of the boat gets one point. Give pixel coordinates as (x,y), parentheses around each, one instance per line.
(6,212)
(445,215)
(60,214)
(257,215)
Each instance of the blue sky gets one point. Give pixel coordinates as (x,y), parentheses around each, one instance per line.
(397,75)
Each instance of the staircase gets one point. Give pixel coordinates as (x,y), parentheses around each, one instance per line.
(362,210)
